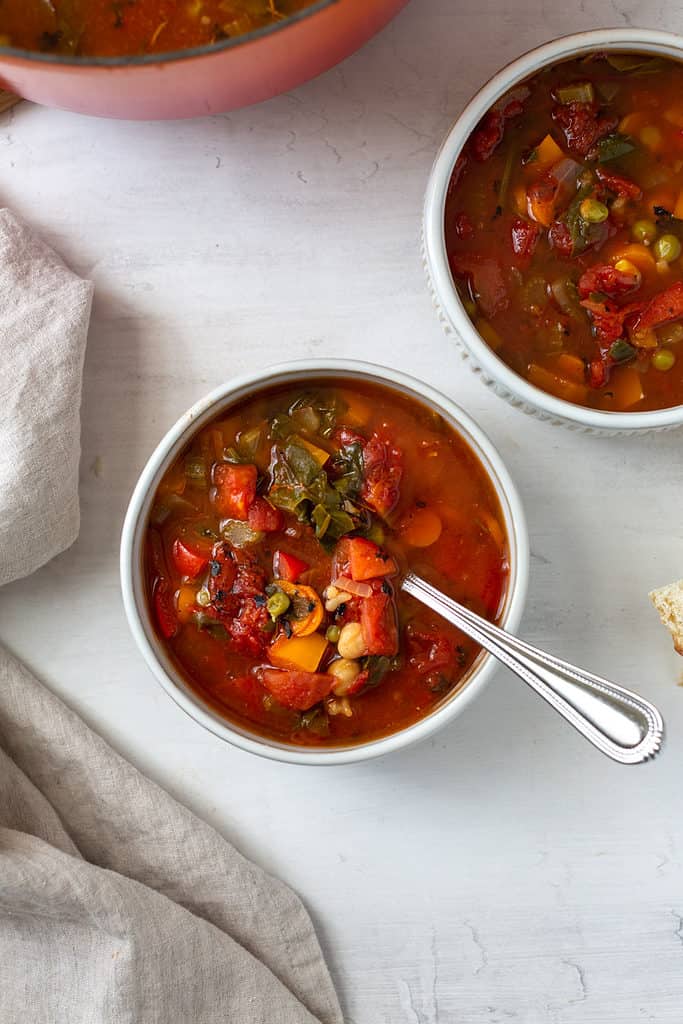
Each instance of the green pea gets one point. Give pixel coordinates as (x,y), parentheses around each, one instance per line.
(667,248)
(670,335)
(644,231)
(663,360)
(593,211)
(332,634)
(277,604)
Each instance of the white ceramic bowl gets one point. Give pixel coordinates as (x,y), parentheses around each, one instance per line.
(494,372)
(132,576)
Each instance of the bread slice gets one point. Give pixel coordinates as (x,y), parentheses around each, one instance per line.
(669,603)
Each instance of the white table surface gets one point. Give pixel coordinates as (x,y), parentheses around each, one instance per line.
(503,870)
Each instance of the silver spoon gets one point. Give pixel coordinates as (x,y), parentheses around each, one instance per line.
(618,722)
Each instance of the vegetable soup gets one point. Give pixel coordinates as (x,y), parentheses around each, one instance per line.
(103,28)
(274,549)
(564,226)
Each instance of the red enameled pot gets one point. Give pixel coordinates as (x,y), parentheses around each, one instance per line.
(207,80)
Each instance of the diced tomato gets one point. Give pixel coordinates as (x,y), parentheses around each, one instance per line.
(366,560)
(300,690)
(188,562)
(543,199)
(618,184)
(288,567)
(248,627)
(165,610)
(607,279)
(428,650)
(524,239)
(583,125)
(262,516)
(234,489)
(382,472)
(487,279)
(609,319)
(462,225)
(237,587)
(488,136)
(662,309)
(379,624)
(560,238)
(222,571)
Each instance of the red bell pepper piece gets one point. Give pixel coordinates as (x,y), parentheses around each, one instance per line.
(288,567)
(379,624)
(662,309)
(234,489)
(262,516)
(300,690)
(164,607)
(188,562)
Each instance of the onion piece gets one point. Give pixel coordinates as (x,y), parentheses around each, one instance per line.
(352,586)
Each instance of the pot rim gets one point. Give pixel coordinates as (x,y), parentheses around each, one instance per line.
(132,576)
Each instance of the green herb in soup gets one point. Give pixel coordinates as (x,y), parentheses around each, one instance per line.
(274,548)
(564,226)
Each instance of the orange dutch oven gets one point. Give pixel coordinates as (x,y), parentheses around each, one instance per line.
(207,80)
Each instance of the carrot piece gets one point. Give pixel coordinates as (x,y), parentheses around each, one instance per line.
(678,208)
(637,254)
(674,115)
(298,652)
(186,603)
(626,386)
(571,368)
(519,197)
(357,409)
(633,122)
(421,528)
(556,385)
(548,151)
(305,599)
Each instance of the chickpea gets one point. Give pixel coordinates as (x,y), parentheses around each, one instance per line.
(351,643)
(345,672)
(334,597)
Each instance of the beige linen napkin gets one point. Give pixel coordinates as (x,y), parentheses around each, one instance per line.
(117,905)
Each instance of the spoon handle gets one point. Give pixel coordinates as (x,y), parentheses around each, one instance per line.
(618,722)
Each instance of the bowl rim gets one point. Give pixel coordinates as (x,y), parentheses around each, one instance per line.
(564,48)
(170,56)
(202,411)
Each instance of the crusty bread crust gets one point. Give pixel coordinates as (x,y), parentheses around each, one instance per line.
(669,603)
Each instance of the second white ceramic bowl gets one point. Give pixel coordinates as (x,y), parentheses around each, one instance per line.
(493,371)
(135,526)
